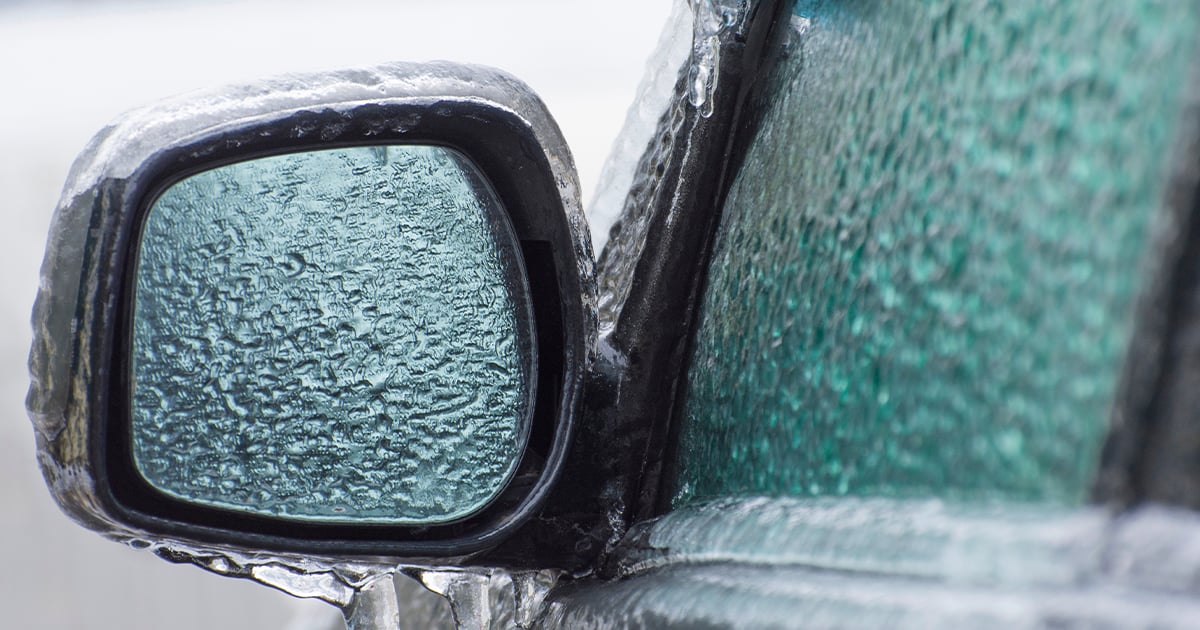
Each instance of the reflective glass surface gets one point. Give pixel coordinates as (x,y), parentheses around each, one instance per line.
(339,336)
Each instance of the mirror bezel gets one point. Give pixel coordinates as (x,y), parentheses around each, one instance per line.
(508,149)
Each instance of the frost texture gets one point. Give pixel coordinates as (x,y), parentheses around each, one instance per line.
(657,95)
(680,79)
(330,336)
(924,277)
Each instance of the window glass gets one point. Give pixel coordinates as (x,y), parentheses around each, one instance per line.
(924,278)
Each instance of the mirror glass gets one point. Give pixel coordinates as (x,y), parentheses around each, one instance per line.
(339,336)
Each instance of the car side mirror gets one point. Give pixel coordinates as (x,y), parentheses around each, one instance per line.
(338,314)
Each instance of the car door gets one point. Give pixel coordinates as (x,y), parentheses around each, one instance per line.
(937,363)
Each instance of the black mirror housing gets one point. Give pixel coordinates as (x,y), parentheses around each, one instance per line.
(81,387)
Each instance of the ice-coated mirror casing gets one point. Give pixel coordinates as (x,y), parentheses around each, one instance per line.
(254,330)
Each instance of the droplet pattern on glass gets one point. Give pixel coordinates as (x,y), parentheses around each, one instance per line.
(924,279)
(334,336)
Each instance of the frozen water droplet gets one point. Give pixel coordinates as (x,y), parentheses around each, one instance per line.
(711,18)
(326,586)
(703,81)
(800,24)
(374,606)
(530,591)
(469,594)
(490,598)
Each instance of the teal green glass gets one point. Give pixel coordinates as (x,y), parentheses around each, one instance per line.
(924,277)
(339,336)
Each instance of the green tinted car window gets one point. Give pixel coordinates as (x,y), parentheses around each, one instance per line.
(924,277)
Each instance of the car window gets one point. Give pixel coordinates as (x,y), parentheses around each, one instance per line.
(924,279)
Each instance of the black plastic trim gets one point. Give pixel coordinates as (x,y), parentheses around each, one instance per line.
(1152,450)
(623,452)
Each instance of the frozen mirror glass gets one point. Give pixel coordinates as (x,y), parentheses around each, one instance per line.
(340,336)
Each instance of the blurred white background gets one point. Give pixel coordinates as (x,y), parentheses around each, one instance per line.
(66,68)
